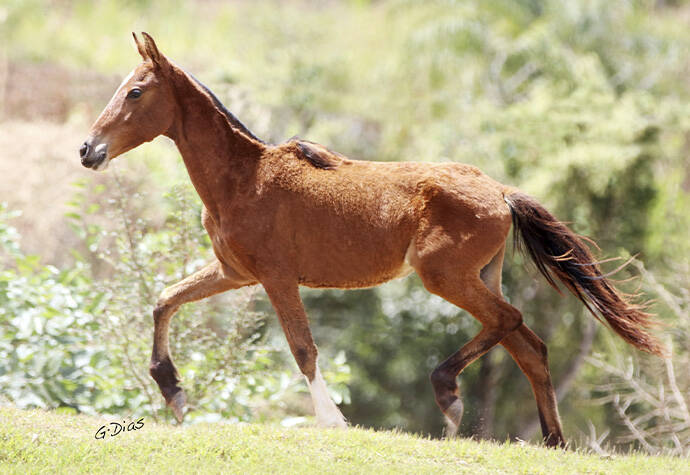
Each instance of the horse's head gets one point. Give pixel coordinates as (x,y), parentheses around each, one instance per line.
(142,108)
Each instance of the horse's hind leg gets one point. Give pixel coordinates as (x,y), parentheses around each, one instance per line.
(206,282)
(529,352)
(465,289)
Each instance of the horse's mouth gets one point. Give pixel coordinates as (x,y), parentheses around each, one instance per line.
(98,164)
(101,165)
(95,158)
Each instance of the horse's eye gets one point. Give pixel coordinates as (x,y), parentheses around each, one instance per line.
(134,93)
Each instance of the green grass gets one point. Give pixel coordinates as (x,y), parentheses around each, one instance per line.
(49,442)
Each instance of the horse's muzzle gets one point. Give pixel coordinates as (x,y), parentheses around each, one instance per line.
(93,157)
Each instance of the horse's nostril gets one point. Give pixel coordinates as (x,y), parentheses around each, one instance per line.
(84,150)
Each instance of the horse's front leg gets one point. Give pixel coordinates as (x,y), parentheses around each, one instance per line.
(208,281)
(288,305)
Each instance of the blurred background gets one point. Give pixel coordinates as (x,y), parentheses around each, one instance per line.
(583,104)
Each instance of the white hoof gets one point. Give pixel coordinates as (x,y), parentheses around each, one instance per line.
(334,420)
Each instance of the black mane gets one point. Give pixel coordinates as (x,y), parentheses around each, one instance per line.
(234,121)
(318,155)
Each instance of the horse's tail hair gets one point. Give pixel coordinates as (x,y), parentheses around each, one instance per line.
(558,251)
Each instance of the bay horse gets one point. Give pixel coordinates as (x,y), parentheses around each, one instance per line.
(298,214)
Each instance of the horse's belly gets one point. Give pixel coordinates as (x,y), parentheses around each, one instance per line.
(357,270)
(356,282)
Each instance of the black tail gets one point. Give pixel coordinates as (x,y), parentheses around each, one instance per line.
(558,251)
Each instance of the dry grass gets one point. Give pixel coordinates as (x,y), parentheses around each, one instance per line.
(45,114)
(39,163)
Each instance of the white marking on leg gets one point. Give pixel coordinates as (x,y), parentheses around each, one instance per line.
(453,418)
(327,413)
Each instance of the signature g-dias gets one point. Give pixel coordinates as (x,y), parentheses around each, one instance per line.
(114,428)
(297,213)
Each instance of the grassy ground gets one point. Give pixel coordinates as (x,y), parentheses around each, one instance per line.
(41,442)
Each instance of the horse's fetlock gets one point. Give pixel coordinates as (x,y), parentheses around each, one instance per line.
(442,381)
(164,373)
(306,360)
(445,388)
(155,370)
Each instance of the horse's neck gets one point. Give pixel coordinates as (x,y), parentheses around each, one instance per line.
(219,158)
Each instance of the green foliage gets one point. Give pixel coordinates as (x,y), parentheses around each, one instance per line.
(48,356)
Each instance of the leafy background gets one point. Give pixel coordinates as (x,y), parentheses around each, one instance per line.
(581,104)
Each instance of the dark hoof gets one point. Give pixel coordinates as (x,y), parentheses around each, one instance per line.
(555,442)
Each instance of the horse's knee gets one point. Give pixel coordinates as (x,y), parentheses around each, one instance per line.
(162,310)
(542,351)
(158,312)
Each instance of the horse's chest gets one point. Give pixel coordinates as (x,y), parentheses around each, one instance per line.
(224,244)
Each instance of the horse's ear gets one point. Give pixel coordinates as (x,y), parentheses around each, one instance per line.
(152,50)
(140,47)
